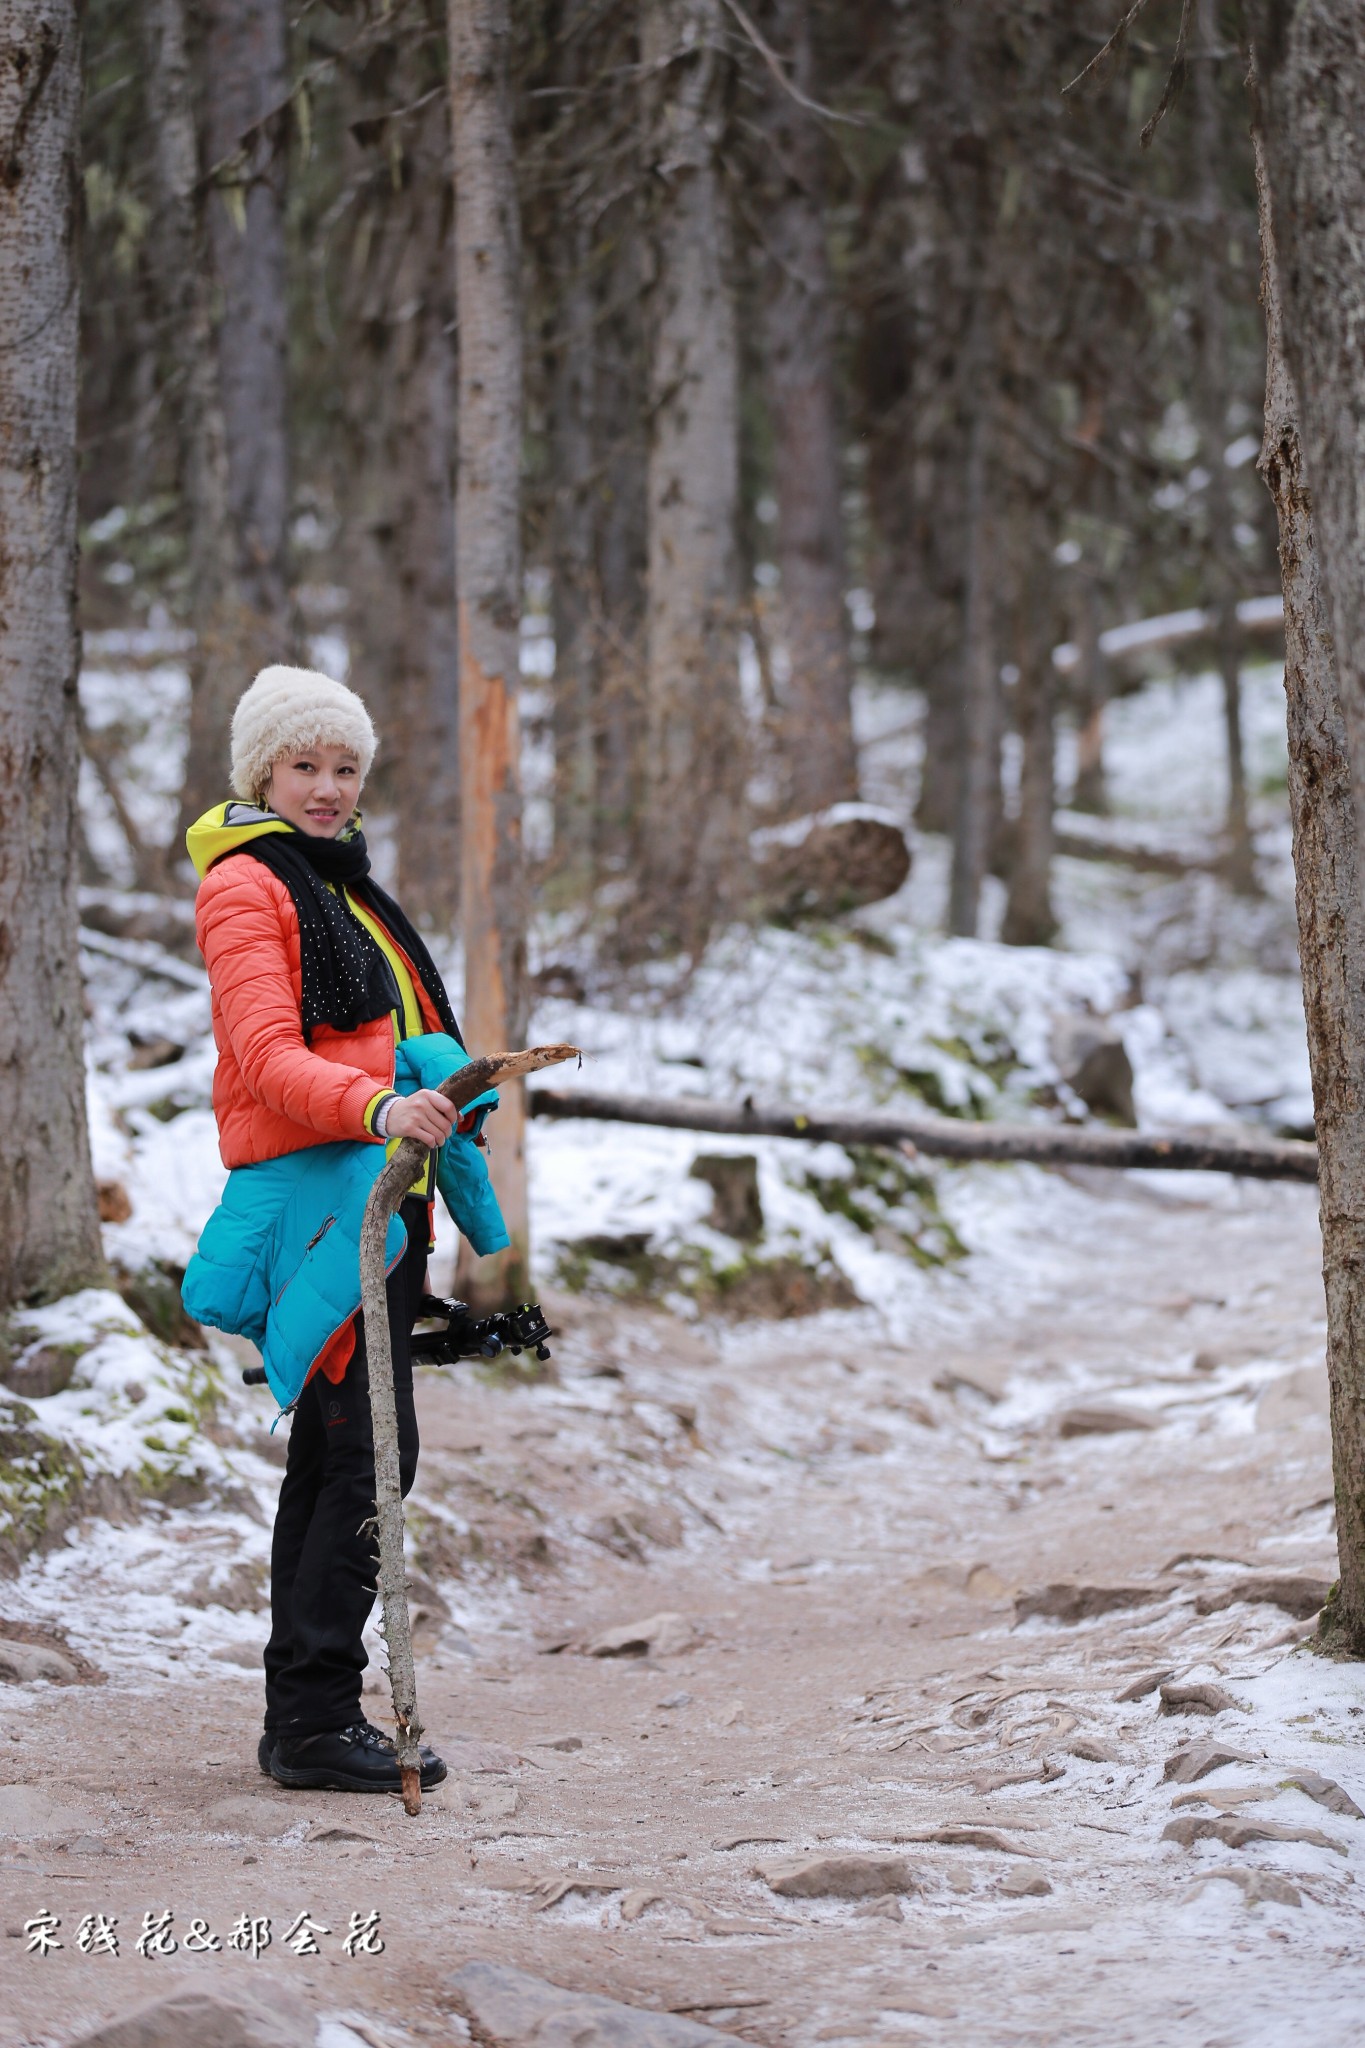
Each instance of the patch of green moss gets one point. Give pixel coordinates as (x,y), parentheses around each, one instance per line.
(1333,1637)
(991,1054)
(925,1083)
(40,1479)
(623,1266)
(750,1285)
(889,1201)
(873,941)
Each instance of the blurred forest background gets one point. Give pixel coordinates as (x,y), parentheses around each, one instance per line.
(850,346)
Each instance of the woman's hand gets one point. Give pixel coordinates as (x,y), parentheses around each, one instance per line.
(425,1115)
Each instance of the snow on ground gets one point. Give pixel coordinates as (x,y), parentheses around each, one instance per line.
(880,1010)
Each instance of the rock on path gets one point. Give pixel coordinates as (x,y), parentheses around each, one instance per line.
(202,2019)
(512,2009)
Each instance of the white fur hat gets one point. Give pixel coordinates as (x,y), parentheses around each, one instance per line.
(286,710)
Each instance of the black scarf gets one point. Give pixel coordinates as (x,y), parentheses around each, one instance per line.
(346,979)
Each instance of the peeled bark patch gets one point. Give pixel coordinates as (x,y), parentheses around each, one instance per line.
(841,1877)
(512,2009)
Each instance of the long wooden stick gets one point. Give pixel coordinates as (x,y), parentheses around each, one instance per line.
(392,1184)
(1190,1151)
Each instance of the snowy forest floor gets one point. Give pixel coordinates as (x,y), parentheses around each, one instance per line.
(847,1529)
(924,1492)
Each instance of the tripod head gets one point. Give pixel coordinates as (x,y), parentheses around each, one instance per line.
(469,1336)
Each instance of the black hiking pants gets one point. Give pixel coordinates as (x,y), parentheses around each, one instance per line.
(323,1569)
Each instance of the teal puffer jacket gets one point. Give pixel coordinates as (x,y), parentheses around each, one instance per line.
(278,1261)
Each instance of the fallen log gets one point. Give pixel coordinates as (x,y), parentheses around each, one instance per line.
(1257,617)
(394,1179)
(1077,843)
(1195,1150)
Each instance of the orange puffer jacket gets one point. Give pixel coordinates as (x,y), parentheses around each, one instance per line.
(272,1092)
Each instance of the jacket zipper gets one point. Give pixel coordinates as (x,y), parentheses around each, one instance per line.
(315,1239)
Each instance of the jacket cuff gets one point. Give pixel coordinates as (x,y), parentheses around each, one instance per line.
(377,1112)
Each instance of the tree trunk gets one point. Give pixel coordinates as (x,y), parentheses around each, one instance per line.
(819,762)
(1310,60)
(1331,915)
(184,288)
(622,560)
(247,60)
(241,615)
(574,519)
(488,583)
(423,544)
(978,776)
(400,402)
(1029,916)
(693,830)
(1092,694)
(49,1233)
(1210,395)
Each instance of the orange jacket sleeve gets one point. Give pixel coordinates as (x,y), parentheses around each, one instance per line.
(240,917)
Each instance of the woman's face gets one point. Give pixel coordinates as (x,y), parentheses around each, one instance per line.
(316,790)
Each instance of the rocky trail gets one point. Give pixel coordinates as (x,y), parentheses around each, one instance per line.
(808,1682)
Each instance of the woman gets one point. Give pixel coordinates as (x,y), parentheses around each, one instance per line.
(333,1030)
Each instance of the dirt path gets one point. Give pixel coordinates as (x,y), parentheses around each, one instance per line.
(842,1522)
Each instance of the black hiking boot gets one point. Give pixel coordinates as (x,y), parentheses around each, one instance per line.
(265,1749)
(354,1759)
(433,1766)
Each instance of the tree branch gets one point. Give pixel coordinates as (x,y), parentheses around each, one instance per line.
(774,64)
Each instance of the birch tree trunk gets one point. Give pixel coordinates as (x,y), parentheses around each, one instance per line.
(488,584)
(693,827)
(819,761)
(184,290)
(1331,915)
(1310,61)
(49,1234)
